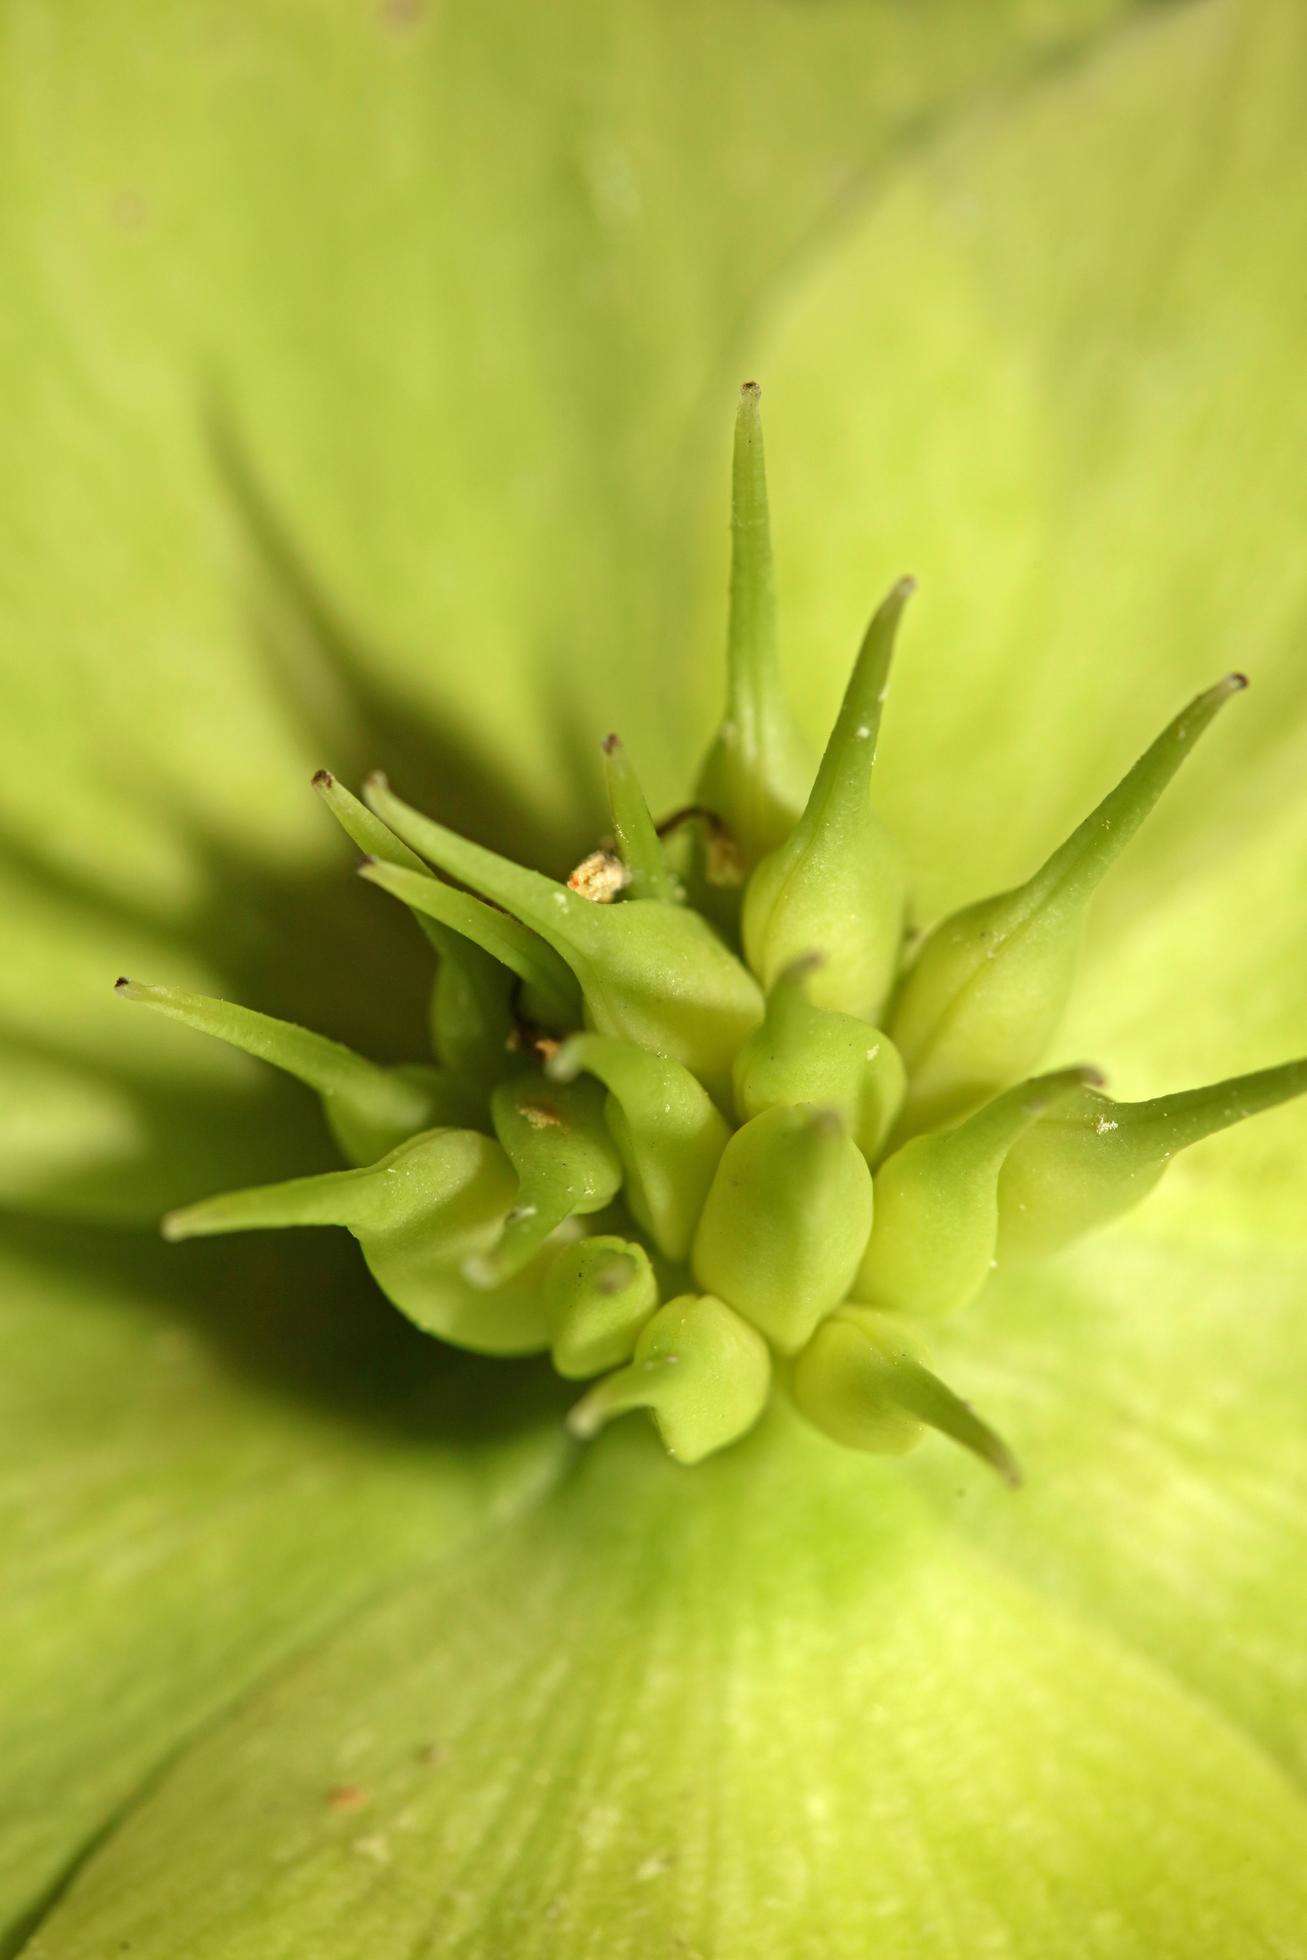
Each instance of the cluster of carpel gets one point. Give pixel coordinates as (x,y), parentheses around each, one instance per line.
(667,1138)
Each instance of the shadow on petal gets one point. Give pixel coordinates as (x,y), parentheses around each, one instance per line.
(306,1322)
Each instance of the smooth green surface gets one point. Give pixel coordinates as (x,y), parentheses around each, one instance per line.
(785,1221)
(650,1748)
(364,373)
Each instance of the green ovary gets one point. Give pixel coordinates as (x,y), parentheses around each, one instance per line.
(698,1126)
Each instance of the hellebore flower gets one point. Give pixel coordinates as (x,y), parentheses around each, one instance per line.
(323,1637)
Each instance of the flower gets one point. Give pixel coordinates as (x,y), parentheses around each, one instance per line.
(571,1157)
(324,1638)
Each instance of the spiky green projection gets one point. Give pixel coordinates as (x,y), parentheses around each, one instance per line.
(699,1126)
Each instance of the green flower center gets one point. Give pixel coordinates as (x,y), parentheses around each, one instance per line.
(704,1122)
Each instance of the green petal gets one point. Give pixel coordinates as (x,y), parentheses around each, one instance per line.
(773,1710)
(207,1458)
(1155,1400)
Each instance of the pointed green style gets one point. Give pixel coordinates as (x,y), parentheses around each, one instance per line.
(1085,1163)
(369,1109)
(786,1222)
(638,843)
(755,775)
(668,1131)
(807,1054)
(566,1166)
(936,1225)
(836,885)
(436,1201)
(860,1381)
(651,973)
(550,995)
(471,1001)
(475,1023)
(701,1371)
(988,986)
(364,828)
(598,1295)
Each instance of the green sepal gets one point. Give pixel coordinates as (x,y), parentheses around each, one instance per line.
(703,1373)
(1092,1159)
(433,1203)
(936,1225)
(598,1295)
(369,1109)
(471,1015)
(860,1380)
(807,1054)
(836,885)
(550,995)
(651,973)
(756,774)
(986,990)
(566,1164)
(669,1133)
(785,1222)
(638,843)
